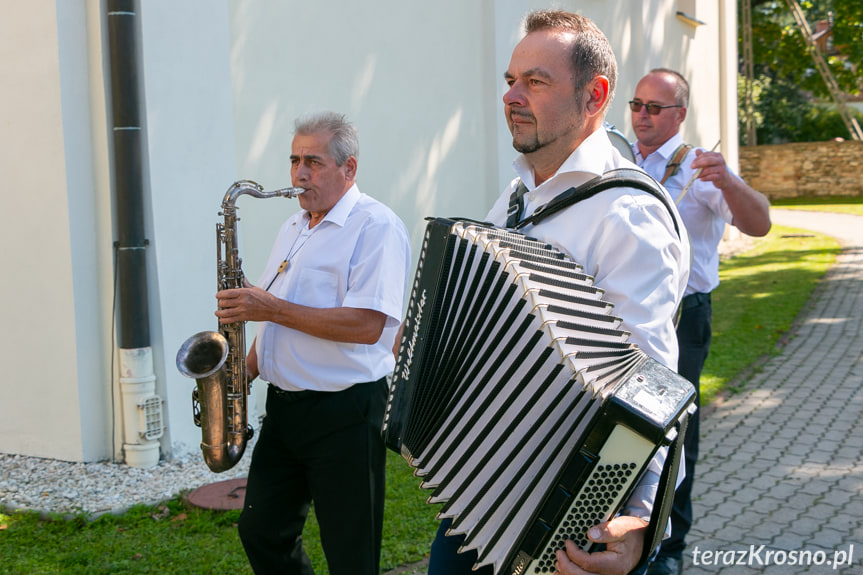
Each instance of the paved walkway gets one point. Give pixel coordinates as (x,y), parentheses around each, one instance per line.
(781,463)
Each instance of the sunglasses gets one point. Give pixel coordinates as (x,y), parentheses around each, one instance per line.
(652,109)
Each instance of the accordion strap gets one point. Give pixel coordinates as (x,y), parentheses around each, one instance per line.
(664,495)
(673,165)
(621,177)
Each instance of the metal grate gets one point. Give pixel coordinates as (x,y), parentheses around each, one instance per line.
(150,410)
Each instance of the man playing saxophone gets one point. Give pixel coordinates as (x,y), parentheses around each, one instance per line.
(329,304)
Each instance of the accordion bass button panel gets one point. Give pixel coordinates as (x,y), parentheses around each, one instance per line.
(614,474)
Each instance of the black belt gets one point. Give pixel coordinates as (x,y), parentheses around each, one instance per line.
(291,396)
(694,300)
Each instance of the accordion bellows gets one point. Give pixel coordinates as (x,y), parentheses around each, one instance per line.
(517,398)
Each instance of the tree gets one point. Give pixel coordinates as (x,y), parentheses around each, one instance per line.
(787,86)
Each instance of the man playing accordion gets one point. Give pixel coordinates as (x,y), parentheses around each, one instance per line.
(561,80)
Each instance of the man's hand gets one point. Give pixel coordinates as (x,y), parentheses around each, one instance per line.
(248,303)
(750,209)
(713,168)
(342,324)
(624,540)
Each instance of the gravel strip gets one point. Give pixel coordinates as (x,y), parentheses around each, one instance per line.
(93,489)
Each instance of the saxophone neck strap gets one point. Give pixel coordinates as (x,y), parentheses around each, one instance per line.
(621,177)
(673,165)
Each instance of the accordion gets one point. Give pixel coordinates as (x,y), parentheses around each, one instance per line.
(517,399)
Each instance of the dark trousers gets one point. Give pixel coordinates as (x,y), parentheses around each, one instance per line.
(693,338)
(321,447)
(445,558)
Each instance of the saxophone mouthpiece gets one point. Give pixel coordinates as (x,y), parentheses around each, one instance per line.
(292,192)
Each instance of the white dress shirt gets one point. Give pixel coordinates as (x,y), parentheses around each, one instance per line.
(704,212)
(358,256)
(626,240)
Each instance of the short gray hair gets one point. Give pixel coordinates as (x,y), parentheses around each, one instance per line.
(344,142)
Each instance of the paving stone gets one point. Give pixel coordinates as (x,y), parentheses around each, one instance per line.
(805,526)
(746,495)
(710,523)
(729,510)
(829,538)
(784,515)
(709,498)
(764,532)
(784,489)
(815,487)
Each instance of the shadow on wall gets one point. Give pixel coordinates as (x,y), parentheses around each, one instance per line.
(416,95)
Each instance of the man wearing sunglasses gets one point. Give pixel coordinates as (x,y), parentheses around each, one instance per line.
(709,196)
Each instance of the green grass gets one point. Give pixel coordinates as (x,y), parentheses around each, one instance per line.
(177,538)
(761,293)
(843,204)
(164,539)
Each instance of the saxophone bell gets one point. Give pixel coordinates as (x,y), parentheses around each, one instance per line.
(202,357)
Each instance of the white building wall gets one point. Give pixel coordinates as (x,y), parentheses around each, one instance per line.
(223,82)
(190,135)
(85,148)
(53,356)
(411,80)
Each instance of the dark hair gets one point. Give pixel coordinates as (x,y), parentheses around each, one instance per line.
(345,140)
(591,52)
(681,86)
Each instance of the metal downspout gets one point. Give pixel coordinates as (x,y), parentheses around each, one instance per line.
(142,408)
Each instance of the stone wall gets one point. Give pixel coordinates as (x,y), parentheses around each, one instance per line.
(804,169)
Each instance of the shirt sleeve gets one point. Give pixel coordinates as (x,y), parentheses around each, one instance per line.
(636,257)
(379,269)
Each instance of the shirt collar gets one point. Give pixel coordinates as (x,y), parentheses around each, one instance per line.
(590,159)
(338,214)
(664,151)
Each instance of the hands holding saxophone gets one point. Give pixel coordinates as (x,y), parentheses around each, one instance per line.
(244,304)
(248,303)
(342,324)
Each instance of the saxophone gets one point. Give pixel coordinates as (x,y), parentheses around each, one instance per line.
(216,360)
